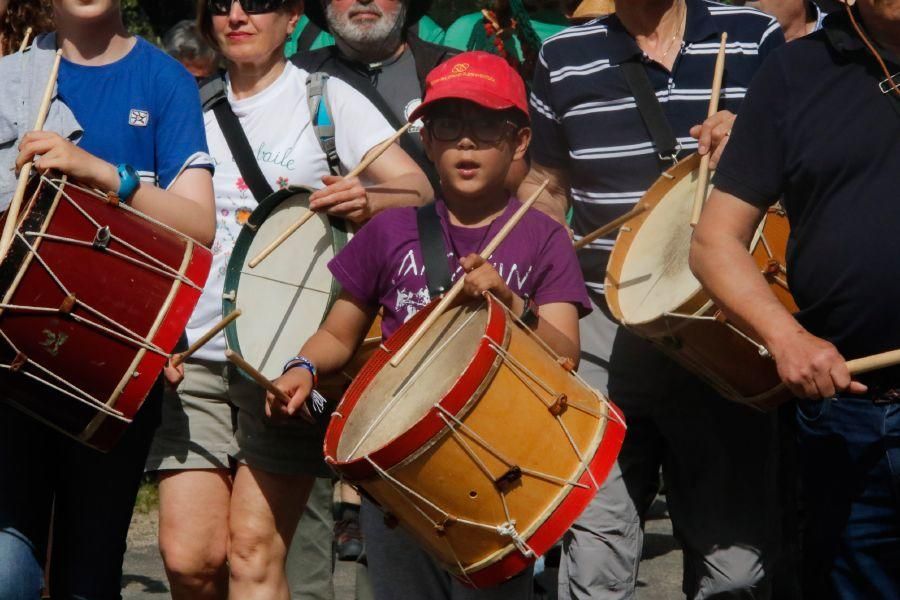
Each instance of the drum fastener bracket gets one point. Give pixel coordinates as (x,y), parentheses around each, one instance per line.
(18,362)
(102,238)
(566,363)
(441,528)
(560,406)
(230,296)
(68,304)
(506,481)
(772,268)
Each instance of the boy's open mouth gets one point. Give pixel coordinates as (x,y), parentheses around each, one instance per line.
(467,168)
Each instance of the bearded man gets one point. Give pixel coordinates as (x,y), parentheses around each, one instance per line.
(378,52)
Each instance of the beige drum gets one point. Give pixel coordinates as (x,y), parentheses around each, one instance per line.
(482,444)
(650,289)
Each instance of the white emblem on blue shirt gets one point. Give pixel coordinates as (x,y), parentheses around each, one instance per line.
(138,118)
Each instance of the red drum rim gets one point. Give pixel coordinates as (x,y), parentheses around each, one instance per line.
(430,425)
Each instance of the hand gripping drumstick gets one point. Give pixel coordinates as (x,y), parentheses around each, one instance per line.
(703,175)
(258,377)
(204,339)
(458,286)
(611,226)
(26,39)
(12,213)
(372,157)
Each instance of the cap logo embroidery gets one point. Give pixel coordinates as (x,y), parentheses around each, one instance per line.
(460,68)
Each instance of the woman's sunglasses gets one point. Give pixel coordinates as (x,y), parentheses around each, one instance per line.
(251,7)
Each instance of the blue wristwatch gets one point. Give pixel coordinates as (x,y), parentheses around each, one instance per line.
(128,182)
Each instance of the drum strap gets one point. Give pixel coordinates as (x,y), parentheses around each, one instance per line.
(434,251)
(651,111)
(214,97)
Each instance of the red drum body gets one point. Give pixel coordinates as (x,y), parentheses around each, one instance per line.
(482,444)
(94,298)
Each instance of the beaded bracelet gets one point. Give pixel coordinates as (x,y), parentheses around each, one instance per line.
(303,363)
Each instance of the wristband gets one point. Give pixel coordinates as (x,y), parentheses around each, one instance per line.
(128,182)
(303,363)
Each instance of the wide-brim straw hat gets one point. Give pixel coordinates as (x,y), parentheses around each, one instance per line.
(591,9)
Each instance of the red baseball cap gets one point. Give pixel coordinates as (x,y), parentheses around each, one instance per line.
(479,77)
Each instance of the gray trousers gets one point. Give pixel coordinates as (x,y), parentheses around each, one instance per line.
(718,461)
(400,570)
(310,560)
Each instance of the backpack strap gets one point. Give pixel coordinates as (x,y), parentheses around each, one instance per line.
(308,37)
(213,97)
(320,114)
(434,251)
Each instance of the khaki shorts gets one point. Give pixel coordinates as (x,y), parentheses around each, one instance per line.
(217,414)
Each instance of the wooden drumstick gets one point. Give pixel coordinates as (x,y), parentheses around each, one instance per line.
(611,226)
(858,366)
(372,157)
(450,296)
(12,213)
(258,377)
(26,39)
(703,175)
(204,339)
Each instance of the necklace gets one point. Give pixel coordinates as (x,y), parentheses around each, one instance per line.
(679,32)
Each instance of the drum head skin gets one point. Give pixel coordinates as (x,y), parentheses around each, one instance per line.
(423,379)
(284,299)
(655,277)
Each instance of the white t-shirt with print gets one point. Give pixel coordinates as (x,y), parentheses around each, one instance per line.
(277,124)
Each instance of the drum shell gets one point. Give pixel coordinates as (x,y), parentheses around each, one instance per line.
(141,299)
(511,414)
(719,353)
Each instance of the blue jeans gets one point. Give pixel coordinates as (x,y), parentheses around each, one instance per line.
(850,464)
(90,496)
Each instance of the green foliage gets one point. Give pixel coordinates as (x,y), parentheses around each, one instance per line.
(136,20)
(147,497)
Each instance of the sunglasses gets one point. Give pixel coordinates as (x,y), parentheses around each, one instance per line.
(251,7)
(485,130)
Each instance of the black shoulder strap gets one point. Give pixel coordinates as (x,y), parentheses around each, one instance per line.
(214,97)
(434,251)
(308,37)
(427,55)
(651,111)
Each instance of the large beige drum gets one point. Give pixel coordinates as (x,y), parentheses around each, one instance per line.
(482,444)
(650,289)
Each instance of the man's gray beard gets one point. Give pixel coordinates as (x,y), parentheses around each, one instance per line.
(380,39)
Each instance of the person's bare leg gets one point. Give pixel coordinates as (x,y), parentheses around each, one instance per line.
(193,532)
(265,508)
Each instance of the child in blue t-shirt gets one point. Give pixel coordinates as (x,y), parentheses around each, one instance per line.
(143,137)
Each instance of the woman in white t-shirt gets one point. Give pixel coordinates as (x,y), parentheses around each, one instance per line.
(206,515)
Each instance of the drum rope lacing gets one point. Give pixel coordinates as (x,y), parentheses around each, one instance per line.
(458,430)
(162,267)
(128,336)
(87,399)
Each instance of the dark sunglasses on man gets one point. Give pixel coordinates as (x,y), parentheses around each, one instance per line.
(251,7)
(487,130)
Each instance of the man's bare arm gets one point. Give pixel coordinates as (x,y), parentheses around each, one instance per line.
(809,366)
(555,199)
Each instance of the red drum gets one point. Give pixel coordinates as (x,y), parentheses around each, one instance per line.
(95,295)
(483,444)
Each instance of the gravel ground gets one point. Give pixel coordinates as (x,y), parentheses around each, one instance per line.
(144,578)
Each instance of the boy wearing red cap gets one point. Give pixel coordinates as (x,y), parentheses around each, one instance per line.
(476,124)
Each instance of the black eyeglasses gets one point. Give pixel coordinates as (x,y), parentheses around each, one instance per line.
(485,130)
(251,7)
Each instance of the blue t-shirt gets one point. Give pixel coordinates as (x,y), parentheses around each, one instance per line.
(143,110)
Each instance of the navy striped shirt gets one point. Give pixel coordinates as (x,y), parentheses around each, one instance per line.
(586,121)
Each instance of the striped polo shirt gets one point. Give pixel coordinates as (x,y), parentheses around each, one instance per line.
(586,121)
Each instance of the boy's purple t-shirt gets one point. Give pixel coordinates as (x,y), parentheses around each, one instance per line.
(382,265)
